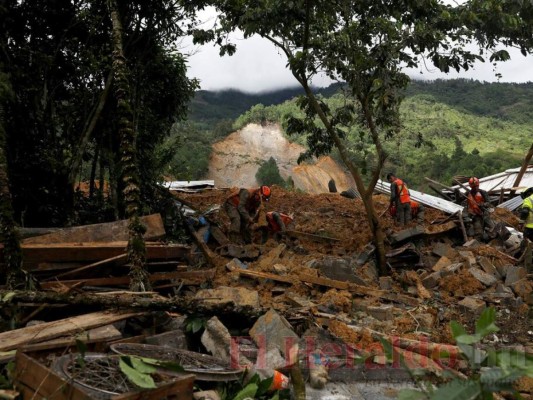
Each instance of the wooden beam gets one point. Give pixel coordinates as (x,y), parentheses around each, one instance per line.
(33,254)
(106,232)
(50,330)
(196,276)
(524,167)
(120,259)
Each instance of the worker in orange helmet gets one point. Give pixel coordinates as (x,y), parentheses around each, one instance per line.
(478,205)
(278,223)
(400,198)
(417,211)
(242,208)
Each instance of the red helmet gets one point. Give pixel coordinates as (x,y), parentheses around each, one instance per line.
(473,182)
(265,192)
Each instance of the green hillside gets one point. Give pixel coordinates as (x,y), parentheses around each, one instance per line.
(450,127)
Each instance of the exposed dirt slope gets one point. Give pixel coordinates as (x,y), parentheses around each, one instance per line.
(235,161)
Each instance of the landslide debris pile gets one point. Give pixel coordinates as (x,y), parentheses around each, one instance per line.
(315,295)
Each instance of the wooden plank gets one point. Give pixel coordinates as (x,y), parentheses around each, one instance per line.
(105,232)
(200,276)
(105,333)
(34,254)
(50,330)
(120,259)
(34,378)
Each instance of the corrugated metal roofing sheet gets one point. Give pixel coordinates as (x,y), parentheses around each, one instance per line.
(512,204)
(505,180)
(424,198)
(176,185)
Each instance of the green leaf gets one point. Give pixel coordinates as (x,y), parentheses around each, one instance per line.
(264,386)
(411,394)
(458,390)
(8,296)
(387,349)
(137,378)
(141,366)
(197,324)
(485,323)
(249,391)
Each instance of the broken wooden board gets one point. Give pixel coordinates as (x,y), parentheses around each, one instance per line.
(50,330)
(199,276)
(34,254)
(310,236)
(102,334)
(105,232)
(37,382)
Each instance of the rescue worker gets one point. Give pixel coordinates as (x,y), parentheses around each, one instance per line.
(242,208)
(400,198)
(417,211)
(277,224)
(526,213)
(478,206)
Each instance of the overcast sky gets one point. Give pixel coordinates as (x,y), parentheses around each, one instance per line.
(258,66)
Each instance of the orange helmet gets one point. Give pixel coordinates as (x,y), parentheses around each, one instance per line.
(265,192)
(473,182)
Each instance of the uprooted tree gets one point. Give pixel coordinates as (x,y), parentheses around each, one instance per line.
(366,44)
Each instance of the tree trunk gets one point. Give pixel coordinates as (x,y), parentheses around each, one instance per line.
(129,169)
(12,252)
(76,162)
(366,193)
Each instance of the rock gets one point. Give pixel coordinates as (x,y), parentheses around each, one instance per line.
(451,269)
(444,250)
(482,276)
(280,269)
(206,395)
(501,268)
(514,274)
(469,257)
(223,294)
(441,264)
(406,234)
(431,280)
(381,313)
(236,264)
(272,257)
(426,320)
(473,243)
(217,340)
(339,269)
(523,288)
(472,304)
(385,283)
(488,267)
(273,331)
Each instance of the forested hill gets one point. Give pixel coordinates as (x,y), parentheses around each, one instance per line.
(209,107)
(509,101)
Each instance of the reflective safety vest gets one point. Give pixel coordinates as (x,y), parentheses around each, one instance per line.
(528,203)
(273,225)
(402,191)
(474,202)
(253,202)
